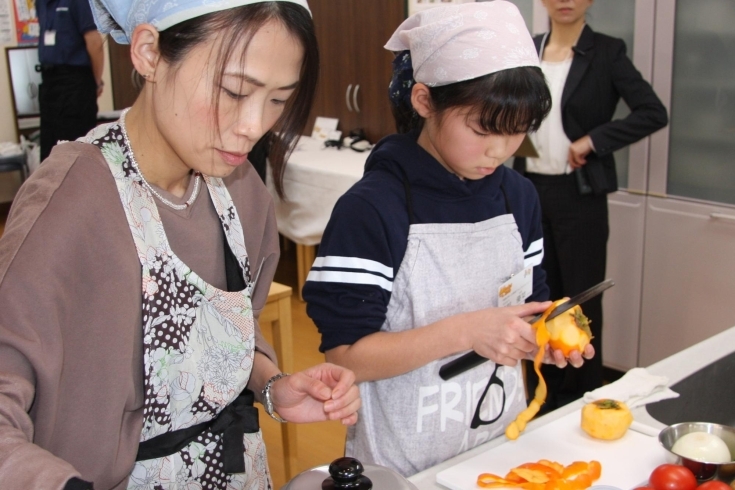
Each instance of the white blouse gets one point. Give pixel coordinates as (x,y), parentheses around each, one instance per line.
(550,140)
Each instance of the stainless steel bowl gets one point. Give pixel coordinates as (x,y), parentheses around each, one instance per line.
(702,470)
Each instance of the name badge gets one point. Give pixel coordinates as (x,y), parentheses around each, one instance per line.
(49,38)
(517,289)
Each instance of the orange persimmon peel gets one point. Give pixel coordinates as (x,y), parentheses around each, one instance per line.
(545,475)
(543,337)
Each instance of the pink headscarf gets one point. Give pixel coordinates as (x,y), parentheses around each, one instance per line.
(461,42)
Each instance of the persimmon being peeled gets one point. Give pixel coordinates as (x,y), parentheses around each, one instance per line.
(569,331)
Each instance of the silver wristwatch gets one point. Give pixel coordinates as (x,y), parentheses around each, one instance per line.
(268,400)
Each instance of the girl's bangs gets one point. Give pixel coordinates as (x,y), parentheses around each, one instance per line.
(510,101)
(514,101)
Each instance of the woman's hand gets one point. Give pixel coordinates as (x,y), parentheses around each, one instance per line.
(579,150)
(323,392)
(502,335)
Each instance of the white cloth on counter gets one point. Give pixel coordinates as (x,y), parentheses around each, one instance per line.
(637,387)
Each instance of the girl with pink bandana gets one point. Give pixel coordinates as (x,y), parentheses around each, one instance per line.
(416,260)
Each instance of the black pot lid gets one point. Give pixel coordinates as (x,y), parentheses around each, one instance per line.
(349,469)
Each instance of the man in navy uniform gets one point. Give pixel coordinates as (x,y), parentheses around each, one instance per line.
(71,54)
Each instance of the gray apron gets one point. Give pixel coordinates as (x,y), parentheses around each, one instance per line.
(417,420)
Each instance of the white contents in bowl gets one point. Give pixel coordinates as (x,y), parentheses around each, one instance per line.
(702,446)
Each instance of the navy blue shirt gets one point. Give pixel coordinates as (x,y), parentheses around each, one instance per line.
(70,19)
(367,234)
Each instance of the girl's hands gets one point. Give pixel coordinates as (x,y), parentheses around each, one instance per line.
(502,335)
(576,359)
(323,392)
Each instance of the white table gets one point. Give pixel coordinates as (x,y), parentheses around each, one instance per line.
(315,177)
(676,367)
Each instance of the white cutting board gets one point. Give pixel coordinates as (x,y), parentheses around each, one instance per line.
(626,462)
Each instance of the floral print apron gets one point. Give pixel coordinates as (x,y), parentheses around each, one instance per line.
(199,341)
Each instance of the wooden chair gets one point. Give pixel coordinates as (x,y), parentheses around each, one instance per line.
(277,314)
(305,255)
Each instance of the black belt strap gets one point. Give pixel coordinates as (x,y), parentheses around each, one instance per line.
(238,418)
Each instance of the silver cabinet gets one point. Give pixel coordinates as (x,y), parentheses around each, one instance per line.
(689,276)
(689,265)
(622,304)
(672,224)
(683,197)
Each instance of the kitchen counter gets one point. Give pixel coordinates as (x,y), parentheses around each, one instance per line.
(675,367)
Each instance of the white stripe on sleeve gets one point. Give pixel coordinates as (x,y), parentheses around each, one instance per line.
(350,278)
(337,262)
(533,261)
(535,247)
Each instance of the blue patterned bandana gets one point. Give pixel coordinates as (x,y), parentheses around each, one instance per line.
(119,18)
(402,82)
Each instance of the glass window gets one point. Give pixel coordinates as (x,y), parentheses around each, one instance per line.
(702,132)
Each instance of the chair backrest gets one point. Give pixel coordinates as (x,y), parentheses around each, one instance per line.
(14,163)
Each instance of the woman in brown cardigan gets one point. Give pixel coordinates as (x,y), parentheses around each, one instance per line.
(135,263)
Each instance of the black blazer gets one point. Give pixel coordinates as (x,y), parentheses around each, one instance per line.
(601,73)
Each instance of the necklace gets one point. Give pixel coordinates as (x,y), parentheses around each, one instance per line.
(178,207)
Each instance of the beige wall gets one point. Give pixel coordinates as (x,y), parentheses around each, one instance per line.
(9,182)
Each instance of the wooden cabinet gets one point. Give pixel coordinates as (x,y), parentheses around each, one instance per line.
(355,69)
(121,73)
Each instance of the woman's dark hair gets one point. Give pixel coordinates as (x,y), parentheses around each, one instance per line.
(235,26)
(509,101)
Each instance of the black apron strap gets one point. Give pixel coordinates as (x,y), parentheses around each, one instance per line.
(508,209)
(238,418)
(409,198)
(233,271)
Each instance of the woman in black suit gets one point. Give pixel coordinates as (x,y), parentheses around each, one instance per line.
(587,73)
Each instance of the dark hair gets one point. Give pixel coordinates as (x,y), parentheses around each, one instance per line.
(233,26)
(509,101)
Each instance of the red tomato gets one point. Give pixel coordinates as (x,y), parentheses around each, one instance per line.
(643,488)
(672,477)
(714,485)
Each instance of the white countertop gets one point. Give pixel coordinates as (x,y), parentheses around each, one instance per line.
(675,367)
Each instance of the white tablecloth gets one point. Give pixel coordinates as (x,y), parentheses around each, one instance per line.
(314,179)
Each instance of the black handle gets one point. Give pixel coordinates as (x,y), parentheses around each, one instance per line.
(346,474)
(460,365)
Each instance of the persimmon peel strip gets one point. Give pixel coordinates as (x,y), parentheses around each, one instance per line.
(515,428)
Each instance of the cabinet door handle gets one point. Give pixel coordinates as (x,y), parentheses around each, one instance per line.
(347,97)
(728,217)
(354,98)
